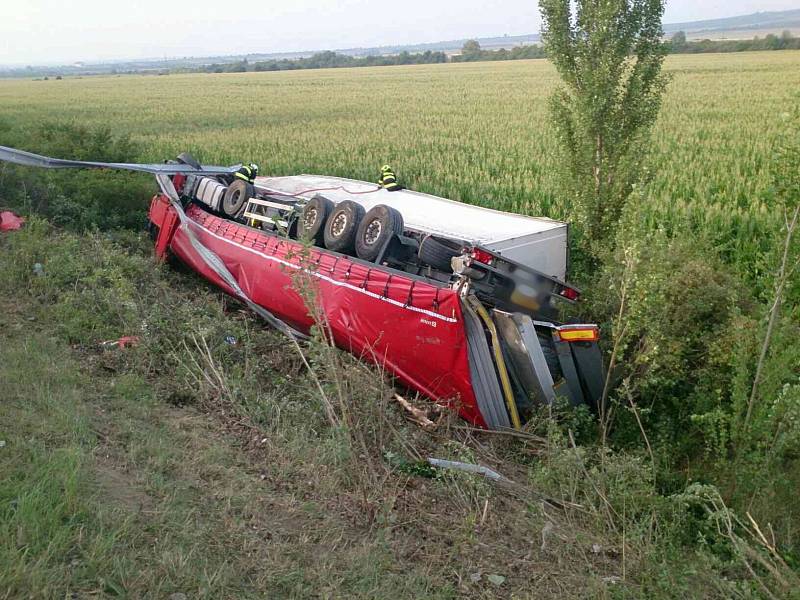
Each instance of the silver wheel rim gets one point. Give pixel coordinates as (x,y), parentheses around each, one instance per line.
(233,202)
(309,218)
(373,232)
(339,224)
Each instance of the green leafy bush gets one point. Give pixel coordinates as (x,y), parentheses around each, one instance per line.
(668,307)
(79,199)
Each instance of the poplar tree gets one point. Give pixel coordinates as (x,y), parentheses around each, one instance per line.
(609,54)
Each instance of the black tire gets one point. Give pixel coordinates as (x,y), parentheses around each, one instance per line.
(550,355)
(313,218)
(342,225)
(378,225)
(438,253)
(187,159)
(236,197)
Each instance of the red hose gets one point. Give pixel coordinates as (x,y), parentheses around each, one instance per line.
(330,189)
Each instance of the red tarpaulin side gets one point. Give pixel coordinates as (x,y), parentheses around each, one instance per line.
(9,221)
(412,328)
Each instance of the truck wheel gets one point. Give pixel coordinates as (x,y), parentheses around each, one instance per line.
(236,197)
(187,159)
(313,219)
(438,253)
(342,225)
(378,225)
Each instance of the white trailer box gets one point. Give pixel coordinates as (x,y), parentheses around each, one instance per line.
(538,243)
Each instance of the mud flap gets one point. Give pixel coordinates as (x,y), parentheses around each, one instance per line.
(525,354)
(572,381)
(165,232)
(485,384)
(589,364)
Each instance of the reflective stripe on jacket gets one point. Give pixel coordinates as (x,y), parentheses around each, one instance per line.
(246,173)
(388,180)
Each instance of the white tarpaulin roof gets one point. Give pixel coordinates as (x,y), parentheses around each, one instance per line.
(421,212)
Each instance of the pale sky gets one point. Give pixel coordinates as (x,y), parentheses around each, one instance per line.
(63,31)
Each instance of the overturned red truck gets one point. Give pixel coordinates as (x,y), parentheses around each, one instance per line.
(456,301)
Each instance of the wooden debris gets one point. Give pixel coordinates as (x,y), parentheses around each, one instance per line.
(417,415)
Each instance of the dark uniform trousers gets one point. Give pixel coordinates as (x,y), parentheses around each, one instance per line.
(389,182)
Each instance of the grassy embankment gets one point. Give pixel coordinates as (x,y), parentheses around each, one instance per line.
(189,465)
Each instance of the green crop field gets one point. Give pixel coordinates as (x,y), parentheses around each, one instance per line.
(477,132)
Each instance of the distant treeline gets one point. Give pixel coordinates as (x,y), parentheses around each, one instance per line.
(329,60)
(786,41)
(472,52)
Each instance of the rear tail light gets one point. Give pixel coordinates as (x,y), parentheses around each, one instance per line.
(482,256)
(578,333)
(570,294)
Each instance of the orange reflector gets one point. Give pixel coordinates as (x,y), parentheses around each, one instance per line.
(579,333)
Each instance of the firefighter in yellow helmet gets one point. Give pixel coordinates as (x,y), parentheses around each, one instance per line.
(248,173)
(388,180)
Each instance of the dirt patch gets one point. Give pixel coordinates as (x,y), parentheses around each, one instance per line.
(117,487)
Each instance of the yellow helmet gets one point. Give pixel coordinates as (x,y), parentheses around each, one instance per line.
(385,168)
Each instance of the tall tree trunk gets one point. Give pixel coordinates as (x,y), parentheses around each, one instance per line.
(774,313)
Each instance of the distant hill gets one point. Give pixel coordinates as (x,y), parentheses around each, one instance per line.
(767,22)
(761,21)
(741,27)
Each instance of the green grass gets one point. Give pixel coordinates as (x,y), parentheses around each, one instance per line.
(105,490)
(119,477)
(123,474)
(98,489)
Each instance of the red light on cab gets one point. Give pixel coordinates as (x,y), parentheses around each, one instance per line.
(570,293)
(482,256)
